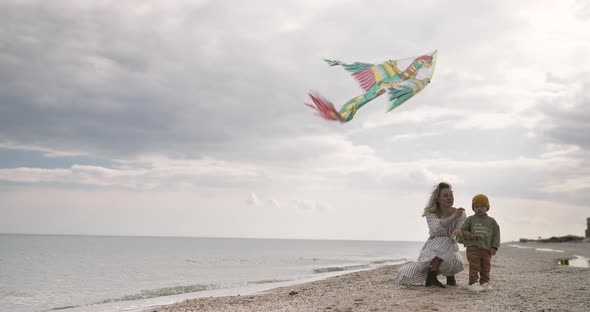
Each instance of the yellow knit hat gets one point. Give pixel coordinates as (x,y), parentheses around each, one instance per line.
(480,199)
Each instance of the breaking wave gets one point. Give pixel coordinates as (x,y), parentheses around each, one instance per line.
(159,292)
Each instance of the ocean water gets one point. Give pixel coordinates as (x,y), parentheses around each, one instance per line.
(108,273)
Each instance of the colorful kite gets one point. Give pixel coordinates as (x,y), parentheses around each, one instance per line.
(376,80)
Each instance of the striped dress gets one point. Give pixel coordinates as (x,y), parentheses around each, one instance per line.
(439,244)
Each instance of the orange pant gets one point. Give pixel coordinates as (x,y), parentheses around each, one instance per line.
(480,262)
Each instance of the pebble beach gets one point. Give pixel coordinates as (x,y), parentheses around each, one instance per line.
(524,277)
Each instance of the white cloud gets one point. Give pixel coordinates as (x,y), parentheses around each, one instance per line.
(253,199)
(412,136)
(488,121)
(47,152)
(275,203)
(312,206)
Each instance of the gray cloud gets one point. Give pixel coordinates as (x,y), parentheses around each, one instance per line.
(96,79)
(207,77)
(208,95)
(566,114)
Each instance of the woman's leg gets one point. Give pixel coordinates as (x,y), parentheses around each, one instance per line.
(431,279)
(435,264)
(451,281)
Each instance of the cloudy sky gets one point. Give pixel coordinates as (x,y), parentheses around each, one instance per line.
(187,119)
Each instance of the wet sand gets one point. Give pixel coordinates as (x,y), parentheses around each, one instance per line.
(524,279)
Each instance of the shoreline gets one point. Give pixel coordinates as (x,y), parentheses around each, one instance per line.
(248,290)
(525,278)
(160,303)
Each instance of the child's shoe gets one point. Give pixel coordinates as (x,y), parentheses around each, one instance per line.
(486,286)
(475,287)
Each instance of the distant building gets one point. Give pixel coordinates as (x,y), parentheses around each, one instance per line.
(588,228)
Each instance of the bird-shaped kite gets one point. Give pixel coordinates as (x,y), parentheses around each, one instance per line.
(376,79)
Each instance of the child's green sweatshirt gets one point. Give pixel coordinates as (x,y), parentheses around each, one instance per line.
(486,228)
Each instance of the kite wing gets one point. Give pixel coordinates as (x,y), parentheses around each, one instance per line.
(367,74)
(402,92)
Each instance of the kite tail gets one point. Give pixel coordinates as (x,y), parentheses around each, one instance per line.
(324,107)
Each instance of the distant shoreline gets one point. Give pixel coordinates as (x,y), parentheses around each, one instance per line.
(211,237)
(555,239)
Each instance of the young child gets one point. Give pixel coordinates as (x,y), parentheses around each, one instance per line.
(481,236)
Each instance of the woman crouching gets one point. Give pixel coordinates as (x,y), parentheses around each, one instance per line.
(440,254)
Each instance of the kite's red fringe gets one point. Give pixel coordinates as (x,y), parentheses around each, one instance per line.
(324,107)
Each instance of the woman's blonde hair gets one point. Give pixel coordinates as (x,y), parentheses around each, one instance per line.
(432,205)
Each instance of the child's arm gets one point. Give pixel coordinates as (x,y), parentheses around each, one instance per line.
(496,237)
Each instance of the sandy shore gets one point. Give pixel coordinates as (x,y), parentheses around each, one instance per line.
(524,279)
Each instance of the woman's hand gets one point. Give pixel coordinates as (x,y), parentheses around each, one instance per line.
(458,212)
(458,233)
